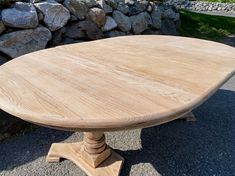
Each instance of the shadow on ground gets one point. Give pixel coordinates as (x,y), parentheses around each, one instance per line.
(205,147)
(24,149)
(229,40)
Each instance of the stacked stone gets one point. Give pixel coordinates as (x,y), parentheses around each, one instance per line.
(203,6)
(31,25)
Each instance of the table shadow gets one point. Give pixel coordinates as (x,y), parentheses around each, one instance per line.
(17,151)
(204,147)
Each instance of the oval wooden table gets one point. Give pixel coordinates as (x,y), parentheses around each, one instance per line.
(112,84)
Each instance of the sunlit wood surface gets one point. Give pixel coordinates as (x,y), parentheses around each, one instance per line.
(117,83)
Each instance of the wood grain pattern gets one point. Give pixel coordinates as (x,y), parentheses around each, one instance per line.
(72,151)
(113,84)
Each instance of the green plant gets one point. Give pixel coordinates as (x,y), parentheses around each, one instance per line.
(205,26)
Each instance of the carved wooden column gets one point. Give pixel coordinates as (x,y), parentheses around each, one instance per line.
(92,155)
(95,150)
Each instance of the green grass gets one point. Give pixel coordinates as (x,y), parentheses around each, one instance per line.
(205,26)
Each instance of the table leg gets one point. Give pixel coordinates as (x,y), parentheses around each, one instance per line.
(189,117)
(92,155)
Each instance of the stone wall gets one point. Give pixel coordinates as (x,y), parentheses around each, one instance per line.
(202,6)
(32,25)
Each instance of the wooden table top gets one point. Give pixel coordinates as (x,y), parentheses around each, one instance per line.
(118,83)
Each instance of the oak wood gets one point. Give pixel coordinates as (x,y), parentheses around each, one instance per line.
(94,149)
(92,155)
(113,84)
(73,151)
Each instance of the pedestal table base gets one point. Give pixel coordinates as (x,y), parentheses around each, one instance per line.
(92,155)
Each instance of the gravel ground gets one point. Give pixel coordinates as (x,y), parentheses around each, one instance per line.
(179,148)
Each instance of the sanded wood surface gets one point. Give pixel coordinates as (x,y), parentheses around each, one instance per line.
(72,151)
(118,83)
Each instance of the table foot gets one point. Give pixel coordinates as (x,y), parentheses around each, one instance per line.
(189,117)
(92,155)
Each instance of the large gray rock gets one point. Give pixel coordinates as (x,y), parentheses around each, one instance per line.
(57,37)
(109,24)
(79,8)
(91,30)
(22,15)
(114,33)
(75,31)
(168,27)
(40,17)
(97,15)
(151,32)
(122,7)
(68,40)
(113,3)
(140,22)
(55,14)
(130,2)
(123,21)
(156,17)
(83,30)
(107,8)
(35,1)
(171,14)
(17,43)
(2,27)
(138,7)
(150,7)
